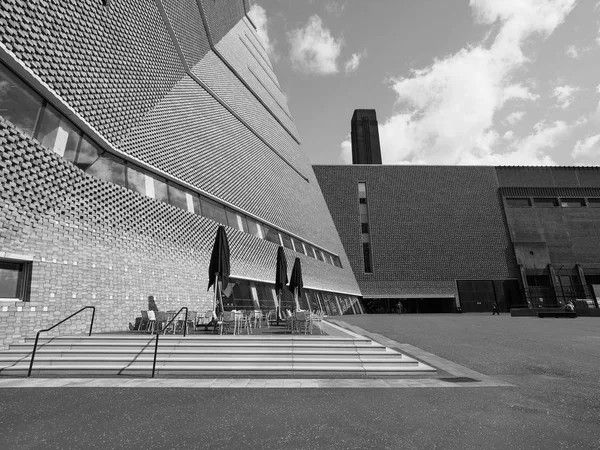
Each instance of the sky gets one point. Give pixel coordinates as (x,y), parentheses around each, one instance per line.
(454,82)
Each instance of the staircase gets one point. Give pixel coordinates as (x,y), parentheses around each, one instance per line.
(132,355)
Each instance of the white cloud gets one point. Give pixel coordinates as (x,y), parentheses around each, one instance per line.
(587,147)
(334,7)
(258,15)
(514,117)
(313,49)
(352,64)
(508,135)
(564,95)
(598,89)
(572,52)
(446,111)
(346,150)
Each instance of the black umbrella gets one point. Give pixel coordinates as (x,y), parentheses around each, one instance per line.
(218,269)
(281,278)
(296,283)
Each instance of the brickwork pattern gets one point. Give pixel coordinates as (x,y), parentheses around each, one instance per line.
(548,177)
(186,21)
(111,64)
(96,243)
(429,226)
(221,16)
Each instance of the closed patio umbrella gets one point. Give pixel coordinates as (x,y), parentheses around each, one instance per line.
(281,278)
(296,283)
(218,269)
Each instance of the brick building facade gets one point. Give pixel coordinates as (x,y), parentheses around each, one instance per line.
(128,132)
(436,238)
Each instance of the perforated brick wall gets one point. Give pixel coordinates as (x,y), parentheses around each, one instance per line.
(429,226)
(96,243)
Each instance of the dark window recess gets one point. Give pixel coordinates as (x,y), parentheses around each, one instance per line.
(572,202)
(337,262)
(241,295)
(545,202)
(365,227)
(538,280)
(362,200)
(594,202)
(264,292)
(518,202)
(367,257)
(15,280)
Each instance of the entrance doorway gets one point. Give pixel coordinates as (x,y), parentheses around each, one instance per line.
(480,295)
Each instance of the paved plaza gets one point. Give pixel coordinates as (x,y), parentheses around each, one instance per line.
(502,383)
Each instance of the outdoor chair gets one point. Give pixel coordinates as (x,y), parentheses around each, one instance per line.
(151,322)
(266,317)
(289,321)
(303,321)
(161,320)
(207,319)
(191,320)
(317,317)
(227,321)
(144,322)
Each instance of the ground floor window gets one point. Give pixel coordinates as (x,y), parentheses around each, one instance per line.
(15,280)
(480,295)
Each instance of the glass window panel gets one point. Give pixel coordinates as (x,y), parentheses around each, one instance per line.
(572,202)
(177,197)
(518,202)
(271,235)
(594,202)
(264,293)
(196,201)
(136,180)
(236,220)
(9,279)
(159,188)
(108,168)
(242,294)
(58,134)
(287,241)
(298,246)
(254,228)
(320,256)
(213,210)
(18,103)
(365,227)
(330,259)
(545,202)
(310,251)
(337,261)
(88,154)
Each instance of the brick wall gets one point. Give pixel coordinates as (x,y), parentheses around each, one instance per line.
(429,226)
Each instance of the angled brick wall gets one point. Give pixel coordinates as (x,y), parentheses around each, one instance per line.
(429,226)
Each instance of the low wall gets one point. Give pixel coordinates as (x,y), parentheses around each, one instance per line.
(533,312)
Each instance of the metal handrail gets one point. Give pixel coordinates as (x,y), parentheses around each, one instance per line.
(165,328)
(37,336)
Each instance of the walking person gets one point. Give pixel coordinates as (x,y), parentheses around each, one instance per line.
(496,310)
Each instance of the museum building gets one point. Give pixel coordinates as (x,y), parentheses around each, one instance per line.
(129,131)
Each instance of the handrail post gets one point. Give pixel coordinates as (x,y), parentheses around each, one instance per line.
(185,323)
(155,352)
(92,322)
(37,336)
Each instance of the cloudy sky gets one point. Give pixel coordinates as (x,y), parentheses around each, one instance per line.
(453,81)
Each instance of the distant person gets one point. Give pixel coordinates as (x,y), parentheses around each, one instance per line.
(496,309)
(570,307)
(399,309)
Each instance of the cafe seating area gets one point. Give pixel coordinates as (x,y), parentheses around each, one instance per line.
(235,322)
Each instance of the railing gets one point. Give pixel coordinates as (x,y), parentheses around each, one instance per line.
(37,336)
(164,330)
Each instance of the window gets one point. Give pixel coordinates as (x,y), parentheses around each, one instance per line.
(236,220)
(213,210)
(109,168)
(594,202)
(365,227)
(18,103)
(58,134)
(572,202)
(178,197)
(88,154)
(298,246)
(310,251)
(15,278)
(518,202)
(254,228)
(264,293)
(287,241)
(545,202)
(320,256)
(367,256)
(337,262)
(271,235)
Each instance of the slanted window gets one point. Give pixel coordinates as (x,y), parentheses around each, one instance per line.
(518,202)
(18,103)
(236,220)
(15,280)
(109,168)
(58,134)
(254,228)
(545,202)
(88,154)
(572,202)
(178,197)
(213,210)
(271,235)
(287,241)
(298,246)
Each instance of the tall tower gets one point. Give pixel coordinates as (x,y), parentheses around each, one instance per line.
(365,137)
